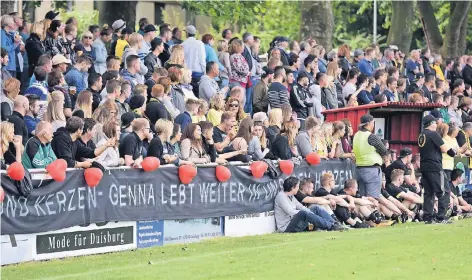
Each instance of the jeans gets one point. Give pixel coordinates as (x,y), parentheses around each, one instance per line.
(369,180)
(315,215)
(249,91)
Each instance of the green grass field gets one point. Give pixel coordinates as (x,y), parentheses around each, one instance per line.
(415,251)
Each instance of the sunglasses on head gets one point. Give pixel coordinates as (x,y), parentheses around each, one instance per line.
(86,37)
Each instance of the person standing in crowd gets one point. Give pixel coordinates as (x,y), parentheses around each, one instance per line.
(368,158)
(358,56)
(45,62)
(101,53)
(292,216)
(277,92)
(60,63)
(223,58)
(53,41)
(432,174)
(391,90)
(148,36)
(208,86)
(165,35)
(122,42)
(467,71)
(20,107)
(260,102)
(240,68)
(95,81)
(136,42)
(414,66)
(365,64)
(195,57)
(152,61)
(34,46)
(299,99)
(10,42)
(227,34)
(132,72)
(176,37)
(142,23)
(38,152)
(117,26)
(76,76)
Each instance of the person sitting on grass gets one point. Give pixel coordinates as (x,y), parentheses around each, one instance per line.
(406,197)
(305,197)
(292,216)
(390,207)
(456,195)
(365,206)
(344,203)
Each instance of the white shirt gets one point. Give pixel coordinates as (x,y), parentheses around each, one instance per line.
(194,53)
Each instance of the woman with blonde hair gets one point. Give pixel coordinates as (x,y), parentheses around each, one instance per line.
(34,46)
(8,136)
(111,156)
(55,110)
(202,112)
(135,43)
(339,131)
(11,89)
(85,47)
(334,71)
(186,84)
(275,124)
(327,138)
(223,57)
(160,146)
(233,106)
(84,103)
(217,104)
(177,58)
(259,132)
(239,66)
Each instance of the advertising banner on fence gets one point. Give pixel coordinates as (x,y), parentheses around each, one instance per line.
(250,224)
(131,195)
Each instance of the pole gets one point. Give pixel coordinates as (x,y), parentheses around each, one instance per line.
(375,21)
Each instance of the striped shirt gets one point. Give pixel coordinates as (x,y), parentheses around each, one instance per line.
(278,95)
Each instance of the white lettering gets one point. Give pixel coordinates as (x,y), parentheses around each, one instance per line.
(113,194)
(50,212)
(122,195)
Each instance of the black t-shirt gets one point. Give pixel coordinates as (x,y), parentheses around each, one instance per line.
(19,126)
(384,193)
(132,145)
(322,192)
(300,196)
(455,189)
(430,151)
(156,110)
(218,135)
(394,190)
(461,139)
(397,164)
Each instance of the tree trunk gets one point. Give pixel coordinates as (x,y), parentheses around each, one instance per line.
(7,7)
(401,29)
(318,22)
(109,11)
(453,43)
(463,36)
(430,27)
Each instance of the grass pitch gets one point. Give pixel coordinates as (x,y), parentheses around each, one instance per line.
(408,251)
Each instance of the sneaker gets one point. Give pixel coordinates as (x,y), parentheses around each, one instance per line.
(445,221)
(430,222)
(449,212)
(337,227)
(386,223)
(361,225)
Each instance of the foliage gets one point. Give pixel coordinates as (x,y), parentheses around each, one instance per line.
(361,40)
(265,19)
(84,19)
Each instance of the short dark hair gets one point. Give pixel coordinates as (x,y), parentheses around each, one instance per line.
(309,59)
(74,124)
(40,74)
(225,32)
(379,98)
(32,98)
(429,77)
(457,83)
(209,66)
(89,123)
(54,78)
(379,73)
(390,80)
(84,58)
(278,71)
(349,183)
(392,70)
(4,52)
(305,182)
(163,31)
(113,85)
(130,59)
(456,173)
(290,183)
(92,28)
(207,38)
(93,78)
(353,72)
(110,75)
(437,98)
(143,22)
(175,30)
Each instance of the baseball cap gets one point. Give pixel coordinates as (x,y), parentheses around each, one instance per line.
(302,75)
(51,15)
(190,29)
(358,52)
(365,119)
(427,120)
(282,39)
(405,152)
(127,30)
(418,76)
(393,47)
(59,58)
(149,28)
(118,24)
(155,43)
(127,119)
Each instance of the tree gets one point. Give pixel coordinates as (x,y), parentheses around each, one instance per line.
(401,28)
(454,41)
(318,22)
(114,10)
(7,7)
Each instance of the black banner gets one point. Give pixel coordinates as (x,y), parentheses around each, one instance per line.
(135,195)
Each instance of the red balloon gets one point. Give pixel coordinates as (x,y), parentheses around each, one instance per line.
(286,166)
(187,173)
(2,194)
(258,168)
(57,170)
(93,176)
(16,171)
(151,164)
(222,173)
(313,158)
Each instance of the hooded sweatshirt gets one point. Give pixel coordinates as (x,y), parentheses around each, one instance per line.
(207,88)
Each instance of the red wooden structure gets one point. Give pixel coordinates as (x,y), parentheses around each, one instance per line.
(402,120)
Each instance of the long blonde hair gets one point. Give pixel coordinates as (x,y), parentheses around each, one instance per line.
(332,69)
(217,102)
(55,110)
(276,117)
(291,131)
(177,56)
(6,128)
(327,136)
(84,103)
(38,29)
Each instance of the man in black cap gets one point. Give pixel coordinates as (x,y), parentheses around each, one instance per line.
(369,151)
(402,163)
(51,15)
(152,61)
(126,120)
(433,178)
(149,35)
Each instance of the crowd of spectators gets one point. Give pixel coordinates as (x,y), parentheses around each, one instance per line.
(114,96)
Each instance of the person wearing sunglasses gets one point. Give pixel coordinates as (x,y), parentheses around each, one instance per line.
(85,48)
(234,106)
